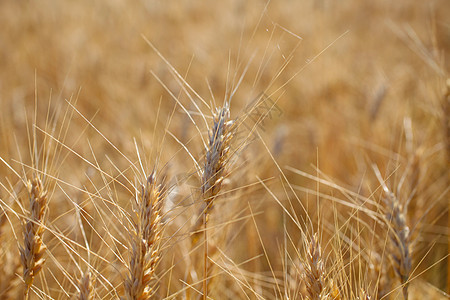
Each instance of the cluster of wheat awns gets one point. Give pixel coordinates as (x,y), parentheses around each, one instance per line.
(146,225)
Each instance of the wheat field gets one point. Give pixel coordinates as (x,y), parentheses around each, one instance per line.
(224,150)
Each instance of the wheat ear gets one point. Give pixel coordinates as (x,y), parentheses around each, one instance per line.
(314,274)
(217,155)
(145,240)
(399,237)
(213,173)
(86,288)
(32,252)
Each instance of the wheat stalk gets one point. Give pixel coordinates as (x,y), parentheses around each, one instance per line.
(32,252)
(145,240)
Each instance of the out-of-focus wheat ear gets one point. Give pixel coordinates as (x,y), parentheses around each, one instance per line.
(294,282)
(9,263)
(314,270)
(399,240)
(8,280)
(378,275)
(145,237)
(33,249)
(86,287)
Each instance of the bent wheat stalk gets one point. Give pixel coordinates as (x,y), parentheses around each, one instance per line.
(145,240)
(32,252)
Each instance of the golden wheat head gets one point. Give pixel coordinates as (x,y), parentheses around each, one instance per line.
(85,286)
(314,269)
(145,240)
(217,154)
(32,252)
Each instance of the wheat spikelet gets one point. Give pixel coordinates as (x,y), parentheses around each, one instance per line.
(364,295)
(32,252)
(334,293)
(145,240)
(399,236)
(314,269)
(86,288)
